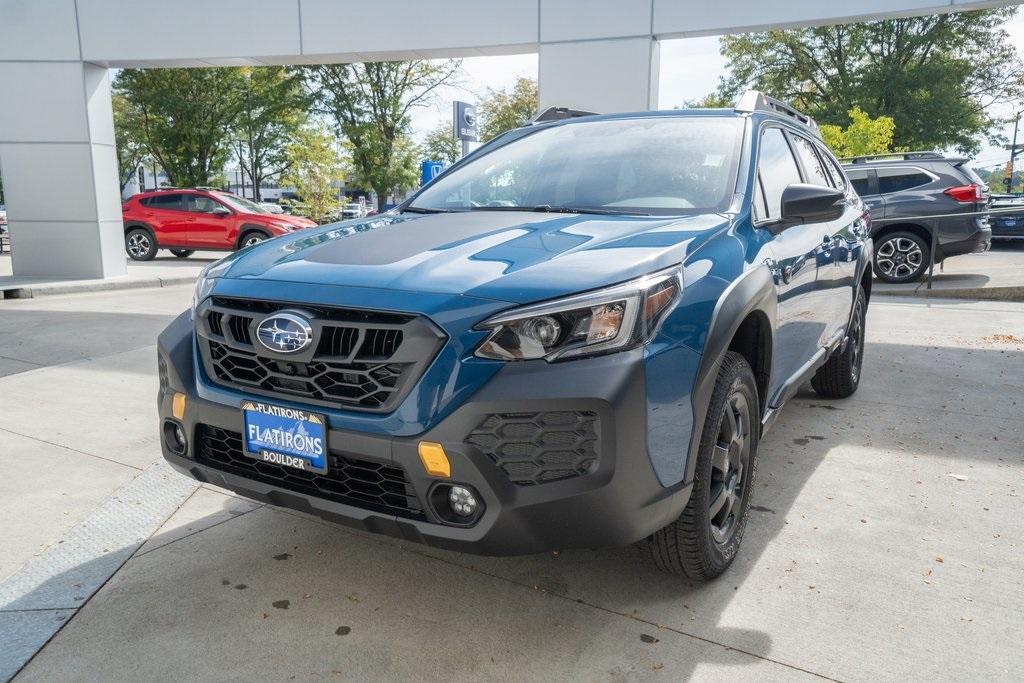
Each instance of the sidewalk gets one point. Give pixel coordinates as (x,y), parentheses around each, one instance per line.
(996,275)
(163,271)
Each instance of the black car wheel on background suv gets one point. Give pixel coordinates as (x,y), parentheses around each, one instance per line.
(901,257)
(183,253)
(139,244)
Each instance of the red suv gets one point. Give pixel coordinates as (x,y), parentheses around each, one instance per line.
(186,220)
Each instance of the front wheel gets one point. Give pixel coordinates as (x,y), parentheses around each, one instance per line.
(839,377)
(251,238)
(183,253)
(901,257)
(139,244)
(703,542)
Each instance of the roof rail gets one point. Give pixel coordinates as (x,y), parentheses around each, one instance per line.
(559,114)
(895,156)
(754,100)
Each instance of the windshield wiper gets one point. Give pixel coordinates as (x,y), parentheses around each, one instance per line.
(423,209)
(547,208)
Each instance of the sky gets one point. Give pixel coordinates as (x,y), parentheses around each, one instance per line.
(690,68)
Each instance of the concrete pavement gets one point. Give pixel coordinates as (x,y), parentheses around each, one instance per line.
(884,540)
(996,275)
(166,270)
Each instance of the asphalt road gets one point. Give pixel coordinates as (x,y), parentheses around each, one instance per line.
(885,539)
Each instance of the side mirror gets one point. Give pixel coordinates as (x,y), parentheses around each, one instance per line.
(222,211)
(803,203)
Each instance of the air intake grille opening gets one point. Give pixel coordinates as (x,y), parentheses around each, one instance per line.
(381,487)
(536,448)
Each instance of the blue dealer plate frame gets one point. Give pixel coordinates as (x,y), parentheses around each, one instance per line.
(292,438)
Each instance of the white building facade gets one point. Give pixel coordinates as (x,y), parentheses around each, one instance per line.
(56,126)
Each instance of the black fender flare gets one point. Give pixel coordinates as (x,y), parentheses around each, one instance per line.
(132,225)
(752,291)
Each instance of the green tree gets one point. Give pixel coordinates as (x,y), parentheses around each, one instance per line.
(185,117)
(315,167)
(370,104)
(864,135)
(442,145)
(503,110)
(935,76)
(128,138)
(273,107)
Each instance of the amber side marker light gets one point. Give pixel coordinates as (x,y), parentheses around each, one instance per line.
(178,406)
(434,460)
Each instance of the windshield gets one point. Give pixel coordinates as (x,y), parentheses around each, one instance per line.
(649,165)
(241,204)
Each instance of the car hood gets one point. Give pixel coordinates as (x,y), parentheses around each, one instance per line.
(514,256)
(298,221)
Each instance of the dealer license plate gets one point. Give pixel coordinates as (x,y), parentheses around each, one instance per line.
(285,436)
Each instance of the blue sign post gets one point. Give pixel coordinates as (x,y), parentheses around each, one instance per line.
(430,170)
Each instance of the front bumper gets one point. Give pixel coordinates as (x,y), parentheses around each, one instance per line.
(617,501)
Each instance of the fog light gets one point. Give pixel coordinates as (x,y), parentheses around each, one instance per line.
(174,437)
(462,501)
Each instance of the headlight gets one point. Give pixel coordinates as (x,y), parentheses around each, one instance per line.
(285,226)
(602,321)
(204,285)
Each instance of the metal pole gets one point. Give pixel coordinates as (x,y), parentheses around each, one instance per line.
(1013,154)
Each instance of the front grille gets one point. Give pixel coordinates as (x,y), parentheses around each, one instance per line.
(535,448)
(362,483)
(362,360)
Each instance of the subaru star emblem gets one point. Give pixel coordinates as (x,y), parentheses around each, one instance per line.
(285,333)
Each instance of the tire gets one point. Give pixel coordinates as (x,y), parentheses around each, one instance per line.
(839,377)
(140,245)
(901,257)
(252,237)
(183,253)
(702,543)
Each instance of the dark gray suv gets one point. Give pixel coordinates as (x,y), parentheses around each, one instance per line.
(913,196)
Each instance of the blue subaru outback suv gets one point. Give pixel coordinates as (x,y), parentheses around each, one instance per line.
(573,338)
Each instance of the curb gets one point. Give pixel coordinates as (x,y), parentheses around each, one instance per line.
(1010,293)
(50,288)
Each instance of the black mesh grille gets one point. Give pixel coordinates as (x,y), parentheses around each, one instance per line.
(534,448)
(215,323)
(363,384)
(365,360)
(369,485)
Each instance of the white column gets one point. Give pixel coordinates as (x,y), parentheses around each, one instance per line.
(59,167)
(604,76)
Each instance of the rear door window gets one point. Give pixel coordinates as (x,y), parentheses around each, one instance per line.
(165,202)
(900,179)
(833,169)
(809,159)
(777,169)
(859,179)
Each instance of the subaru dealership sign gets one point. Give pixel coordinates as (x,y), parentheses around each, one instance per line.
(465,122)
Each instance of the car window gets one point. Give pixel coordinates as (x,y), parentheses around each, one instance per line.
(657,165)
(833,169)
(164,201)
(900,179)
(812,165)
(859,179)
(777,169)
(197,203)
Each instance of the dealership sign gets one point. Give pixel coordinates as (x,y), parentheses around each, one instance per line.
(465,122)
